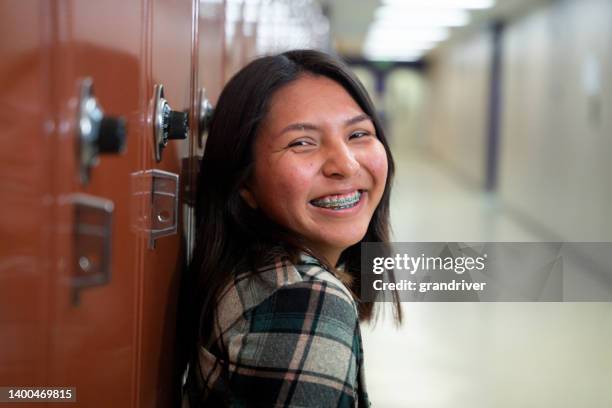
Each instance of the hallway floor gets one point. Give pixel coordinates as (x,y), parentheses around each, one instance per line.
(481,354)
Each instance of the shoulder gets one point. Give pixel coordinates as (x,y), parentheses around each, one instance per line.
(304,289)
(290,336)
(299,347)
(308,309)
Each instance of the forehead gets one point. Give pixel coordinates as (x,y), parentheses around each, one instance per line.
(313,99)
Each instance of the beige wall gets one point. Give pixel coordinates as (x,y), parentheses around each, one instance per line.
(556,134)
(457,105)
(403,106)
(556,130)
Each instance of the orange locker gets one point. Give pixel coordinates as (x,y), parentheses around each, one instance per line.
(95,219)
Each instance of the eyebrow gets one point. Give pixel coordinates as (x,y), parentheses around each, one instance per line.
(310,126)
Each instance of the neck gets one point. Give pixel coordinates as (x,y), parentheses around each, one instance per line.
(332,255)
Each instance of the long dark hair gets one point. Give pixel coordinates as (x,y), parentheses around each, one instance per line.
(233,237)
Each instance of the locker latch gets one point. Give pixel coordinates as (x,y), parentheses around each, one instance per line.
(157,195)
(91,241)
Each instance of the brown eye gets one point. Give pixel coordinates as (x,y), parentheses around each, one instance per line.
(299,143)
(359,134)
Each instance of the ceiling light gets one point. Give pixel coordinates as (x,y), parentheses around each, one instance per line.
(384,35)
(420,16)
(463,4)
(407,56)
(398,47)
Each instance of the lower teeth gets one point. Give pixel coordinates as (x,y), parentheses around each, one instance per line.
(343,207)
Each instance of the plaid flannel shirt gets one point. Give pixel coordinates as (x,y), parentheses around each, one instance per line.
(288,337)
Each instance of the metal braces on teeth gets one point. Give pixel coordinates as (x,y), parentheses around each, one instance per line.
(339,204)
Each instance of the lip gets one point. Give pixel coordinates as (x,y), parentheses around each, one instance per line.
(345,212)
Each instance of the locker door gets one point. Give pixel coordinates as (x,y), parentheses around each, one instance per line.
(94,292)
(210,81)
(172,58)
(26,200)
(69,322)
(127,49)
(211,56)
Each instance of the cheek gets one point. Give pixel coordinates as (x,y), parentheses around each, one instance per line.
(296,182)
(285,186)
(377,164)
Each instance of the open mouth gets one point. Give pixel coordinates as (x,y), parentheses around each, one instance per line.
(338,202)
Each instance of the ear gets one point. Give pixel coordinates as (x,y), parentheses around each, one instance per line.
(248,197)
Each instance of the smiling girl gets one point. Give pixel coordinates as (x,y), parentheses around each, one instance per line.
(296,174)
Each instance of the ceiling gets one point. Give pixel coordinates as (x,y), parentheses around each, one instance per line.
(350,19)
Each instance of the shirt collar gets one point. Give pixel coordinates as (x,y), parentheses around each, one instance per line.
(309,260)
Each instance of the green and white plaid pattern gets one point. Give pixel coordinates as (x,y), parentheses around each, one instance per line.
(288,337)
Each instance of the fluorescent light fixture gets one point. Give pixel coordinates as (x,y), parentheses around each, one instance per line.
(408,47)
(396,48)
(404,30)
(382,35)
(421,16)
(401,44)
(462,4)
(407,56)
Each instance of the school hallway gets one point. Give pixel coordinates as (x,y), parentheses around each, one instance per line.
(473,355)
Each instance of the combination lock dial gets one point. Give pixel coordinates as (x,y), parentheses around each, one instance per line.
(167,123)
(97,133)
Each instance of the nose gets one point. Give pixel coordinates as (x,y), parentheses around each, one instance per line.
(340,162)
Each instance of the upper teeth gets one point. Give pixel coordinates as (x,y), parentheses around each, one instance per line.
(338,200)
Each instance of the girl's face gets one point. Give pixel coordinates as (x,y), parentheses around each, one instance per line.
(320,170)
